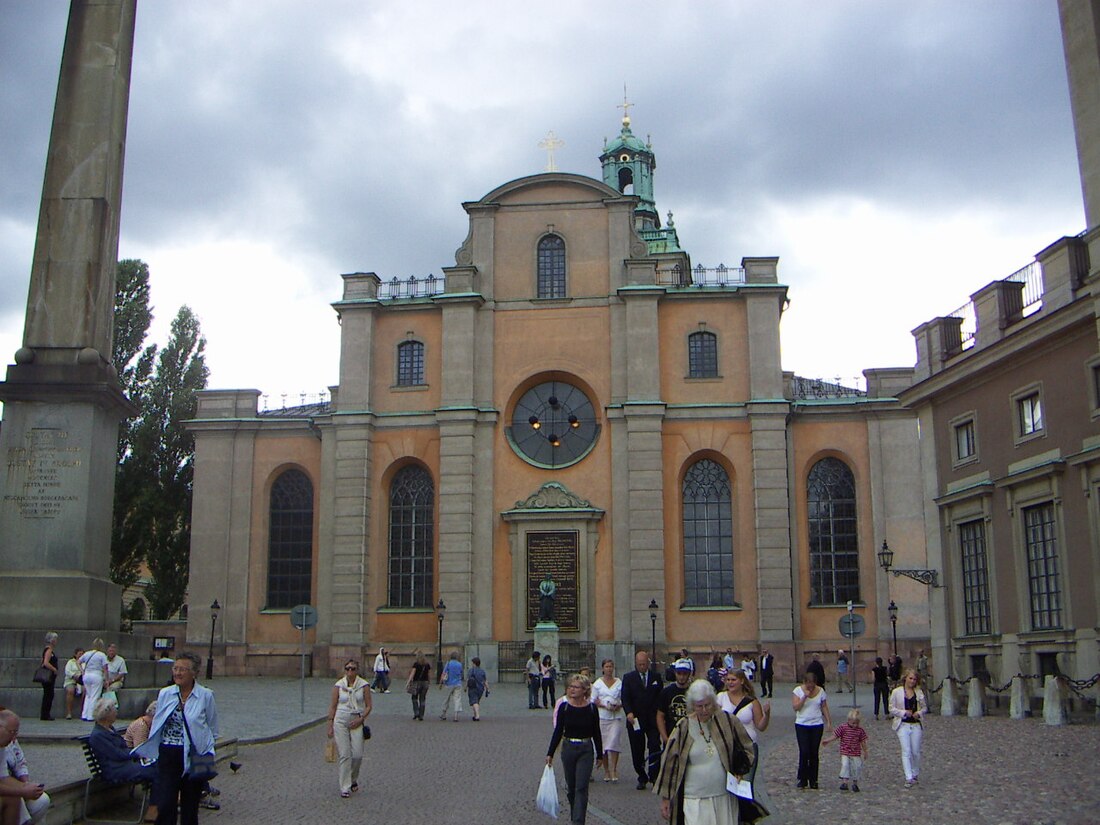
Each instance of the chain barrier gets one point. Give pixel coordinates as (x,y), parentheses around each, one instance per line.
(1078,685)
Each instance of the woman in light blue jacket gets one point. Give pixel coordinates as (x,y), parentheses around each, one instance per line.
(186,715)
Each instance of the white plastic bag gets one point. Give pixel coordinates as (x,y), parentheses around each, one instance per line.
(546,800)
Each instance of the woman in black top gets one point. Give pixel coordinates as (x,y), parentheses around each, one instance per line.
(49,661)
(882,687)
(578,723)
(420,678)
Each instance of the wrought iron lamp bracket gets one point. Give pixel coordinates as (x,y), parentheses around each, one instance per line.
(928,577)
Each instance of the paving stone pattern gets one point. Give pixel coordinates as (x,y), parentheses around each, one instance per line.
(976,771)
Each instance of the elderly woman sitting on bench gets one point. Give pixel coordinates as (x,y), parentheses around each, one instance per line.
(114,754)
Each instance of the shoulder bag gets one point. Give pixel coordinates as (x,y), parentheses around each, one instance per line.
(204,766)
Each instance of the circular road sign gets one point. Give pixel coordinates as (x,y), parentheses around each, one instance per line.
(303,616)
(852,625)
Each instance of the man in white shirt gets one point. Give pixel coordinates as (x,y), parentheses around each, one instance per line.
(116,673)
(20,800)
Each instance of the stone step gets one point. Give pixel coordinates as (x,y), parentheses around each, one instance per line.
(18,672)
(27,701)
(20,643)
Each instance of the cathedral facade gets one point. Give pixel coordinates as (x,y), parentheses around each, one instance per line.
(571,398)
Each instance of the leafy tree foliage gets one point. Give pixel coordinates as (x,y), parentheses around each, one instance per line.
(156,454)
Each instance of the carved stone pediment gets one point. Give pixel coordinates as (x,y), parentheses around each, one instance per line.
(553,496)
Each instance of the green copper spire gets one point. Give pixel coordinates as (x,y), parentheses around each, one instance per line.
(628,166)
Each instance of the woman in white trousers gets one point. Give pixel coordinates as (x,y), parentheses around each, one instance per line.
(347,712)
(908,706)
(93,665)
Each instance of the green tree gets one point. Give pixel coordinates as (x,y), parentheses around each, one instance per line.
(132,318)
(181,372)
(152,513)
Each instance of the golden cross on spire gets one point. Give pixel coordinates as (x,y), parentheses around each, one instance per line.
(550,143)
(625,106)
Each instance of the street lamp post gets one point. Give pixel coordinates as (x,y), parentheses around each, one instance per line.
(214,608)
(652,633)
(893,611)
(440,609)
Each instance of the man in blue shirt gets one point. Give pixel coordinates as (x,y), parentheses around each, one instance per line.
(451,676)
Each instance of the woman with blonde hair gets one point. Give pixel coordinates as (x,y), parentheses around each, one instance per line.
(908,706)
(93,667)
(347,712)
(607,696)
(578,724)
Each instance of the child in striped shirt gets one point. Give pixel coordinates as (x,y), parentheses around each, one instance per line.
(853,749)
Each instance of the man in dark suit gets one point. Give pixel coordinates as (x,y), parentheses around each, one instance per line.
(767,673)
(641,692)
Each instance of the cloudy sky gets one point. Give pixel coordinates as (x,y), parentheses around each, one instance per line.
(896,156)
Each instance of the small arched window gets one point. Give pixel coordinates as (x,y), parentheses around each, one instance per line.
(834,544)
(708,536)
(551,267)
(290,541)
(412,537)
(410,364)
(702,355)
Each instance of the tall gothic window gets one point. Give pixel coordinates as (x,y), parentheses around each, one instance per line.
(708,536)
(412,537)
(702,355)
(551,267)
(290,541)
(410,364)
(834,547)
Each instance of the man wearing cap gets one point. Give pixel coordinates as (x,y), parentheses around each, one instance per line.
(641,693)
(672,706)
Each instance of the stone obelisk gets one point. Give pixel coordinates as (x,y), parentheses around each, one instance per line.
(62,401)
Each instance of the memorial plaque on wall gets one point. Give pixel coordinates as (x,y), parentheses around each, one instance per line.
(557,553)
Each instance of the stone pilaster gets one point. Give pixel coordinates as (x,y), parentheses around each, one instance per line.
(352,505)
(772,521)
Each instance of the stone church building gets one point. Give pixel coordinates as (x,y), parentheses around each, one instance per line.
(572,397)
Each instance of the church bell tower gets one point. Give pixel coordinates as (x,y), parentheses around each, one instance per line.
(628,166)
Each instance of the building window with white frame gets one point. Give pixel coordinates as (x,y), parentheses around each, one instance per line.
(1029,414)
(975,577)
(1043,580)
(966,443)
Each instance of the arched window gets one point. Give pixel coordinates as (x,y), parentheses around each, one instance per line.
(410,364)
(412,537)
(551,267)
(702,355)
(708,536)
(290,541)
(834,546)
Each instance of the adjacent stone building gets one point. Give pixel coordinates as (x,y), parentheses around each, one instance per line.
(571,397)
(1008,390)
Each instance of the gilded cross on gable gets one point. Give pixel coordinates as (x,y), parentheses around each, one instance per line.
(550,143)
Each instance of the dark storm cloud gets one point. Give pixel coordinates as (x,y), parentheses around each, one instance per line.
(348,134)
